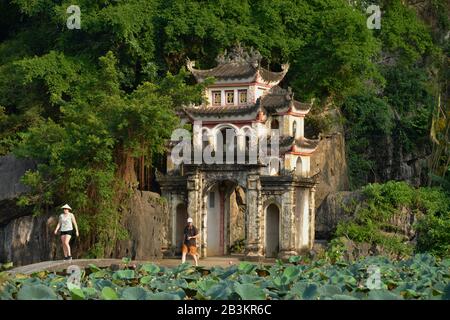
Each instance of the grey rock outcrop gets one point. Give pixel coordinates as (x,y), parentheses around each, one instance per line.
(337,207)
(29,239)
(144,220)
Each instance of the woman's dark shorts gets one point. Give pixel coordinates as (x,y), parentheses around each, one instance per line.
(70,233)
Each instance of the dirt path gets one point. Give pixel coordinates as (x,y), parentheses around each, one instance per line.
(62,265)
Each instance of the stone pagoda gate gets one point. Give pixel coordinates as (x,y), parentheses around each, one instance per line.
(275,212)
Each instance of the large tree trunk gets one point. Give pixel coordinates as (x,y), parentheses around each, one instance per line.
(125,166)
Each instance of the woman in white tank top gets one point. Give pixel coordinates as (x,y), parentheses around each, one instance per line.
(66,223)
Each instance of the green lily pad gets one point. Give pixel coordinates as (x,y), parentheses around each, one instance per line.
(90,293)
(329,290)
(75,292)
(134,293)
(383,294)
(162,296)
(220,291)
(124,274)
(150,268)
(291,272)
(249,292)
(310,292)
(295,259)
(146,279)
(246,267)
(109,294)
(37,292)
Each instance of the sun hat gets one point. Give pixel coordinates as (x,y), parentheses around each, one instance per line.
(190,220)
(66,206)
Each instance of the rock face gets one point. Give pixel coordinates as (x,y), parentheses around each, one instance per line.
(11,170)
(144,221)
(334,209)
(29,239)
(330,160)
(394,163)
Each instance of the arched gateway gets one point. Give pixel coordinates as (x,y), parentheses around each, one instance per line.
(256,197)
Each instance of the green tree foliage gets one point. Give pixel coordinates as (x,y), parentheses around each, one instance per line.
(408,63)
(86,155)
(368,119)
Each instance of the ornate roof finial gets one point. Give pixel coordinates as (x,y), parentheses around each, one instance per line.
(254,57)
(238,54)
(190,64)
(222,57)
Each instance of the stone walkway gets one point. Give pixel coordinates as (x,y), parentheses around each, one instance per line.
(83,263)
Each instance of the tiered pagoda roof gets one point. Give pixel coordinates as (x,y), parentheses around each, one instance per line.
(277,101)
(288,144)
(239,65)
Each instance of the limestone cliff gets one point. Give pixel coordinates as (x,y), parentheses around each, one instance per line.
(330,159)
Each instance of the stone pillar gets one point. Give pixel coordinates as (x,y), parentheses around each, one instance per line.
(194,207)
(312,217)
(172,220)
(287,217)
(204,228)
(254,247)
(303,230)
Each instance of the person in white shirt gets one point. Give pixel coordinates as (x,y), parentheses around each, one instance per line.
(66,223)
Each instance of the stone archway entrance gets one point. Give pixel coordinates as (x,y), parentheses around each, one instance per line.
(180,223)
(272,236)
(225,217)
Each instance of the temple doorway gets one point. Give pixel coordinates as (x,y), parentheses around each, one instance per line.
(272,227)
(225,218)
(181,222)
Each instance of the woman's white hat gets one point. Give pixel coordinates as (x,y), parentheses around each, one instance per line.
(190,220)
(66,206)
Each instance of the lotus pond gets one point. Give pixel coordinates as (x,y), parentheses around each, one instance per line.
(421,277)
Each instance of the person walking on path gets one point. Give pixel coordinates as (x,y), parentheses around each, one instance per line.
(66,223)
(190,243)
